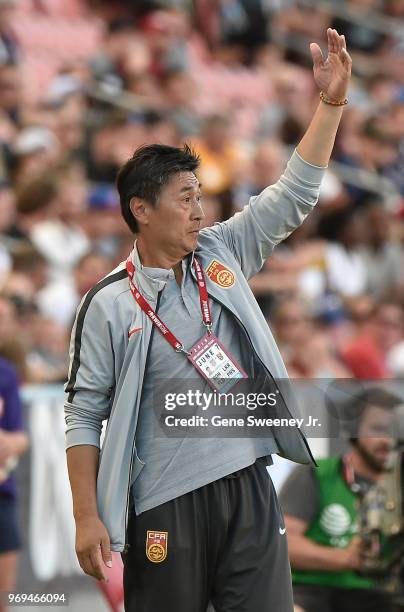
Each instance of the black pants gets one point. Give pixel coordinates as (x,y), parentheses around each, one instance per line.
(226,544)
(327,599)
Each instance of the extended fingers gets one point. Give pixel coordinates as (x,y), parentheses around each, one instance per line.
(85,563)
(337,45)
(342,37)
(96,561)
(90,563)
(342,52)
(344,55)
(316,54)
(336,42)
(331,40)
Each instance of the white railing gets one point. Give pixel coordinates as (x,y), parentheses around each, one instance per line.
(51,529)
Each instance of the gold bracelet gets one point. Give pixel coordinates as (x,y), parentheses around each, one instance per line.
(324,98)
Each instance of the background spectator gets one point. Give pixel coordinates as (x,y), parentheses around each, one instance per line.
(13,443)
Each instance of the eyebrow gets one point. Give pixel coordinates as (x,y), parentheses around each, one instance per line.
(186,189)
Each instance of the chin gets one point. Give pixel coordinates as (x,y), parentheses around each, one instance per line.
(193,243)
(185,249)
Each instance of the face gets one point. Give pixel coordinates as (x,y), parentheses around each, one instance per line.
(375,443)
(293,325)
(10,87)
(91,270)
(353,233)
(389,325)
(175,221)
(268,163)
(177,89)
(7,208)
(73,194)
(216,134)
(378,225)
(8,320)
(381,153)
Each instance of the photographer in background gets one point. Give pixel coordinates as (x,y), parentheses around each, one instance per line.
(327,554)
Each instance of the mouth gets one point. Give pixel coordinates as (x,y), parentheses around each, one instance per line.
(383,453)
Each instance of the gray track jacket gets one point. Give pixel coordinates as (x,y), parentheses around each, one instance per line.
(107,367)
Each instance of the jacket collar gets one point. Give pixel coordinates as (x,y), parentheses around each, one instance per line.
(151,286)
(148,286)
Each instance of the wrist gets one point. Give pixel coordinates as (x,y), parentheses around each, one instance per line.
(331,101)
(85,514)
(343,557)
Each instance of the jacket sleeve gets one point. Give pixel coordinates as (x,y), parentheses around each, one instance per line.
(270,217)
(91,374)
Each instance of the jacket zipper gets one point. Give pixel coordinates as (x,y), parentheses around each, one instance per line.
(126,545)
(266,369)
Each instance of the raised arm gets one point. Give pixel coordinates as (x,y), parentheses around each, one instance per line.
(270,217)
(332,78)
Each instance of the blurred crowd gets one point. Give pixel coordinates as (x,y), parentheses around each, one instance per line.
(234,79)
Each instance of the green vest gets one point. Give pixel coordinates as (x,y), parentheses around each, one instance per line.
(334,525)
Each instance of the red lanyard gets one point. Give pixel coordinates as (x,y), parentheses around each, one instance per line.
(153,316)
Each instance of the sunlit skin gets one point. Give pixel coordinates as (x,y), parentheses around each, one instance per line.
(169,230)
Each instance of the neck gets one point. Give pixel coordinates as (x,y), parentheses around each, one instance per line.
(155,257)
(27,222)
(361,467)
(152,256)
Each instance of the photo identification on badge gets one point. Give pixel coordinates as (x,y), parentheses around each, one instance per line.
(215,363)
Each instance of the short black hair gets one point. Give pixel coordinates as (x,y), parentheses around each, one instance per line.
(147,171)
(377,396)
(334,223)
(369,398)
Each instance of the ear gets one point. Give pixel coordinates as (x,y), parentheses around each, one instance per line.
(139,209)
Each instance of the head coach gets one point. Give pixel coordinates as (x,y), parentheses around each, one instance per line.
(196,520)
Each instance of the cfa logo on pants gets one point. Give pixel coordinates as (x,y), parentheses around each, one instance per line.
(156,546)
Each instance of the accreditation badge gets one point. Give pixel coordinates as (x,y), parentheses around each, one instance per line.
(215,363)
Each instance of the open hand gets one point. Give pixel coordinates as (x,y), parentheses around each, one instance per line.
(332,75)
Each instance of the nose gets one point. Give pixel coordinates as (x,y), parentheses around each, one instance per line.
(197,213)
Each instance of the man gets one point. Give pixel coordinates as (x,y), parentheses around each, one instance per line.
(321,515)
(196,519)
